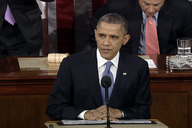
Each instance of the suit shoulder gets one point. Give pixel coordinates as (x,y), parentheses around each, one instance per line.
(181,4)
(134,60)
(78,57)
(124,53)
(122,4)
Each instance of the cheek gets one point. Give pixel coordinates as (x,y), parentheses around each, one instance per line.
(144,8)
(99,41)
(117,45)
(158,8)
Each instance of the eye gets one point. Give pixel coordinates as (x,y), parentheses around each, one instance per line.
(101,35)
(114,37)
(156,5)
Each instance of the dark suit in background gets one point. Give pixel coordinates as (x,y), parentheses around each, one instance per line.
(77,87)
(174,21)
(25,38)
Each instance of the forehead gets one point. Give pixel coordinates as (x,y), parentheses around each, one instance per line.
(109,28)
(151,1)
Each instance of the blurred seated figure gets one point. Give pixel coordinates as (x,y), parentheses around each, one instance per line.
(20,28)
(170,19)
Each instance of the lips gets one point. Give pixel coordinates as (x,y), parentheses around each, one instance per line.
(106,50)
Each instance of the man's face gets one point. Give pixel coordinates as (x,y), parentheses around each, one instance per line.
(150,7)
(109,39)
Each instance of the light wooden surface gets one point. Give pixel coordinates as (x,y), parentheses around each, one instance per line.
(32,63)
(42,63)
(158,125)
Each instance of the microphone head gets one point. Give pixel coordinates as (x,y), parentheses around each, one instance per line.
(106,81)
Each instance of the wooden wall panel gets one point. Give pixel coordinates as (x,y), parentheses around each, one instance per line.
(23,111)
(28,111)
(171,109)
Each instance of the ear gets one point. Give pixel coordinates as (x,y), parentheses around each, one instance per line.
(126,39)
(95,34)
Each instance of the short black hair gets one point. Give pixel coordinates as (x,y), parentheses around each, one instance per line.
(115,18)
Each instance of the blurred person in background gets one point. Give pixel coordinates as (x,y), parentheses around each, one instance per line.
(172,20)
(21,32)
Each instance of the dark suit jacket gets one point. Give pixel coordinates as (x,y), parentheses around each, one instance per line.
(174,21)
(77,87)
(28,17)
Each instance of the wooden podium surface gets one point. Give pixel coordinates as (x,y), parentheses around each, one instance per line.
(158,125)
(24,95)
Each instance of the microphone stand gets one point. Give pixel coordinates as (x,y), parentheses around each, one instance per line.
(106,83)
(107,104)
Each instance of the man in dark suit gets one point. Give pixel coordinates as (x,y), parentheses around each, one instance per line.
(77,90)
(173,20)
(24,37)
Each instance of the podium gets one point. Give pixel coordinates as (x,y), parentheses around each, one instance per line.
(158,124)
(26,92)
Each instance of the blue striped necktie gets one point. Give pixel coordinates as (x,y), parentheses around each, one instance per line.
(107,72)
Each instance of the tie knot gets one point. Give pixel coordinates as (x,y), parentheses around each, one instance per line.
(108,64)
(107,68)
(150,17)
(150,20)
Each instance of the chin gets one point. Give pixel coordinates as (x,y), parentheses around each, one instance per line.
(105,57)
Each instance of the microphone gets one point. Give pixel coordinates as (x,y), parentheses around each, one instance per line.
(106,83)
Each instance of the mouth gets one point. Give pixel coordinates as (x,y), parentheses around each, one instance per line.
(106,50)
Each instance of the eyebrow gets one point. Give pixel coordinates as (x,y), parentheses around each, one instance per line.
(101,34)
(157,4)
(114,36)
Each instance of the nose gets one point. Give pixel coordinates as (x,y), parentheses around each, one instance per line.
(151,10)
(106,41)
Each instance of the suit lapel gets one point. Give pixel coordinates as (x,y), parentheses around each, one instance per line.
(135,20)
(135,30)
(2,12)
(91,73)
(164,27)
(121,78)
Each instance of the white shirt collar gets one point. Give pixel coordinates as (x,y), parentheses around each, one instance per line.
(145,16)
(101,61)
